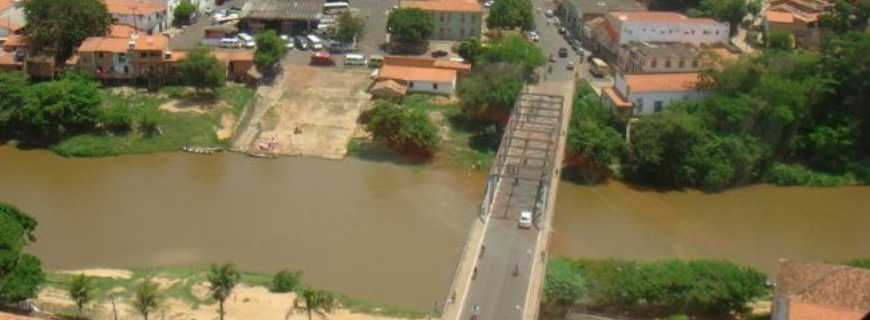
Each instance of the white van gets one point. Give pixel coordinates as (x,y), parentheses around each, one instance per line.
(353,59)
(335,6)
(525,220)
(230,43)
(315,42)
(247,40)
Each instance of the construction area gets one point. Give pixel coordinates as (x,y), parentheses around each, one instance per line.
(306,111)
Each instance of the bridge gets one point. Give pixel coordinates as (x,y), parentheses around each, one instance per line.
(500,274)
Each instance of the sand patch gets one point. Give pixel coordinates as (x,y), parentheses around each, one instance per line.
(165,283)
(192,106)
(102,273)
(228,122)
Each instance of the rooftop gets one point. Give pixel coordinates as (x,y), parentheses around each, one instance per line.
(104,44)
(15,40)
(659,16)
(618,101)
(416,73)
(663,49)
(825,285)
(121,31)
(283,9)
(134,7)
(152,43)
(426,63)
(444,5)
(662,82)
(601,7)
(8,59)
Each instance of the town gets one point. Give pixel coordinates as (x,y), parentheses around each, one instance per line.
(452,159)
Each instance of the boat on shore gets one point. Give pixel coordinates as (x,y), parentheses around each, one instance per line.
(201,150)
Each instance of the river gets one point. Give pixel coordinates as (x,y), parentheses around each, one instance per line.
(385,232)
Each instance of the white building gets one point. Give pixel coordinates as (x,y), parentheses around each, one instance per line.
(644,94)
(146,15)
(622,27)
(421,79)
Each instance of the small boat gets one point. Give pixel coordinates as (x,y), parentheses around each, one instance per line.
(201,150)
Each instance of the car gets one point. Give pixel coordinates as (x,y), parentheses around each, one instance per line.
(439,54)
(549,13)
(301,43)
(532,35)
(576,47)
(487,4)
(552,58)
(525,220)
(570,65)
(209,10)
(563,31)
(563,52)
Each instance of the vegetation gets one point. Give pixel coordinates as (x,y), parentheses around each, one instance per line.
(515,50)
(859,263)
(404,130)
(491,91)
(147,298)
(183,12)
(47,111)
(511,14)
(470,50)
(20,273)
(591,133)
(222,279)
(81,292)
(410,25)
(731,11)
(59,27)
(846,16)
(779,41)
(286,281)
(270,50)
(202,70)
(699,287)
(350,27)
(315,301)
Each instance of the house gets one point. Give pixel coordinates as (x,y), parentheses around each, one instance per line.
(420,79)
(10,62)
(644,94)
(105,58)
(574,13)
(669,57)
(800,18)
(146,15)
(454,20)
(121,31)
(811,291)
(283,16)
(212,35)
(618,28)
(461,69)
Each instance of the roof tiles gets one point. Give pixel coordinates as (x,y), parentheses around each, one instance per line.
(416,73)
(443,5)
(662,82)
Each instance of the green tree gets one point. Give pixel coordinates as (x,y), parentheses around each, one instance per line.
(13,86)
(270,49)
(596,142)
(222,279)
(410,25)
(754,7)
(564,284)
(779,41)
(490,92)
(149,122)
(315,301)
(183,12)
(202,70)
(20,273)
(731,11)
(117,118)
(350,27)
(511,14)
(404,130)
(81,292)
(286,281)
(859,263)
(146,298)
(470,50)
(56,109)
(59,26)
(515,49)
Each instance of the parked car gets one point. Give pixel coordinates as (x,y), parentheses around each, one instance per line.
(576,47)
(525,220)
(532,35)
(230,43)
(247,40)
(339,47)
(439,54)
(301,43)
(563,52)
(314,42)
(288,41)
(570,65)
(322,59)
(549,13)
(552,58)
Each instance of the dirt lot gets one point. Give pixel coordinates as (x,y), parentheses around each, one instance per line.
(309,111)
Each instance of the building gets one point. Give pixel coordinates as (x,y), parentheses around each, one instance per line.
(609,33)
(462,69)
(105,58)
(284,16)
(419,75)
(149,16)
(644,94)
(812,291)
(212,35)
(574,13)
(669,57)
(800,18)
(455,20)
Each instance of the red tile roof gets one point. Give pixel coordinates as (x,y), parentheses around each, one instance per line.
(426,62)
(8,58)
(15,40)
(829,285)
(779,17)
(134,7)
(663,82)
(152,43)
(121,31)
(9,25)
(658,16)
(617,100)
(104,44)
(416,74)
(443,5)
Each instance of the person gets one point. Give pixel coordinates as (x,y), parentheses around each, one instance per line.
(516,269)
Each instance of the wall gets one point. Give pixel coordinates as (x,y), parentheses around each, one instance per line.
(456,25)
(647,106)
(427,86)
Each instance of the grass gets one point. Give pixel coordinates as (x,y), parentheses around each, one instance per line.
(176,129)
(184,279)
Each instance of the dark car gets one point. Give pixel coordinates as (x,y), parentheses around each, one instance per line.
(439,54)
(563,52)
(301,43)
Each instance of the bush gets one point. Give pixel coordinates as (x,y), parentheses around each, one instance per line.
(286,281)
(183,12)
(117,118)
(860,263)
(491,91)
(564,284)
(403,130)
(797,175)
(150,121)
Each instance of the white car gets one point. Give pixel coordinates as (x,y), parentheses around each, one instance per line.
(534,36)
(289,41)
(549,13)
(525,220)
(487,4)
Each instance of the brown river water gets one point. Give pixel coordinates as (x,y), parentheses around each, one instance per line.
(385,232)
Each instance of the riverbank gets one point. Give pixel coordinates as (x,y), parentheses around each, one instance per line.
(180,118)
(184,293)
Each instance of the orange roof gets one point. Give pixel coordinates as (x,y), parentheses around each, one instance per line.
(426,63)
(443,5)
(5,4)
(779,17)
(9,25)
(8,58)
(664,82)
(658,16)
(16,40)
(618,101)
(416,74)
(152,43)
(103,44)
(234,56)
(121,31)
(134,7)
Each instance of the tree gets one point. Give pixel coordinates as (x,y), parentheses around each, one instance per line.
(202,70)
(515,49)
(222,279)
(316,301)
(117,118)
(56,109)
(511,14)
(81,291)
(779,41)
(754,7)
(859,263)
(270,49)
(731,11)
(564,285)
(286,281)
(470,50)
(183,12)
(597,142)
(146,298)
(350,27)
(13,86)
(410,25)
(20,273)
(59,26)
(490,92)
(404,130)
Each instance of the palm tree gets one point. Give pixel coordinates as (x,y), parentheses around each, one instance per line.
(316,301)
(146,299)
(222,279)
(81,291)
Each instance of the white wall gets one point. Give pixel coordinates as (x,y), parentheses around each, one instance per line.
(427,86)
(691,32)
(119,62)
(644,103)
